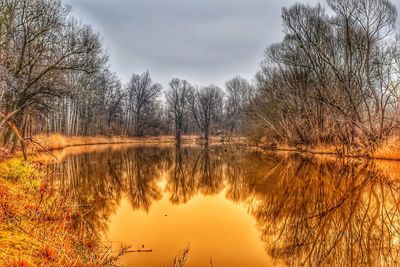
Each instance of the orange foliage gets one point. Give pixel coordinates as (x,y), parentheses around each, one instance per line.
(48,253)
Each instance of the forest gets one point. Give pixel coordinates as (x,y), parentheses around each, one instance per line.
(332,81)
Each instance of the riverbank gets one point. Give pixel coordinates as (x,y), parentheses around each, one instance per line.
(50,142)
(38,225)
(53,142)
(389,150)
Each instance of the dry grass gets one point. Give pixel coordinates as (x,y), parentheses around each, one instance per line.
(44,142)
(61,154)
(4,153)
(389,168)
(180,259)
(39,227)
(388,150)
(325,149)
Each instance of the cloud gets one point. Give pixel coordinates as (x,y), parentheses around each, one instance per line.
(207,41)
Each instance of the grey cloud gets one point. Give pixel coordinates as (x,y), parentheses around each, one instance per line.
(204,40)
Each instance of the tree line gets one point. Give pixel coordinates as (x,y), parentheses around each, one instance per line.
(333,79)
(56,77)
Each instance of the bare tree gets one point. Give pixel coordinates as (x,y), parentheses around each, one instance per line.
(40,46)
(142,95)
(177,100)
(238,92)
(333,79)
(206,104)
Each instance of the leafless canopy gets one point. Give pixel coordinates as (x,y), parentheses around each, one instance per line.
(332,79)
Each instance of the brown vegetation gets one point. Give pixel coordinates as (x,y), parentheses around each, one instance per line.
(38,225)
(58,141)
(387,150)
(333,80)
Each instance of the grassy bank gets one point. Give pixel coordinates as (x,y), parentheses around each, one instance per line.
(38,226)
(58,141)
(388,150)
(50,142)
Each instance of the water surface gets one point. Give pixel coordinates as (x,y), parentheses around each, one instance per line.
(236,208)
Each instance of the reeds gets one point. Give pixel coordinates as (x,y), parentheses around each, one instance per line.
(180,259)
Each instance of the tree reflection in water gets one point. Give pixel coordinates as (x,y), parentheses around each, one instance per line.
(143,168)
(330,213)
(309,211)
(181,183)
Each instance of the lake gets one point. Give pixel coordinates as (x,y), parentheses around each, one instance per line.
(235,208)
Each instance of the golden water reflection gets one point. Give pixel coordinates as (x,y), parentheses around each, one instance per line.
(240,209)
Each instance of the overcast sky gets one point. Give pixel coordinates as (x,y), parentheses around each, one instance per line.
(203,41)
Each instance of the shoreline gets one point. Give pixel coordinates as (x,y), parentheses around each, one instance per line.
(56,142)
(266,149)
(52,142)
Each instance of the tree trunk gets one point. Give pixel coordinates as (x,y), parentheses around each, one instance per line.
(178,135)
